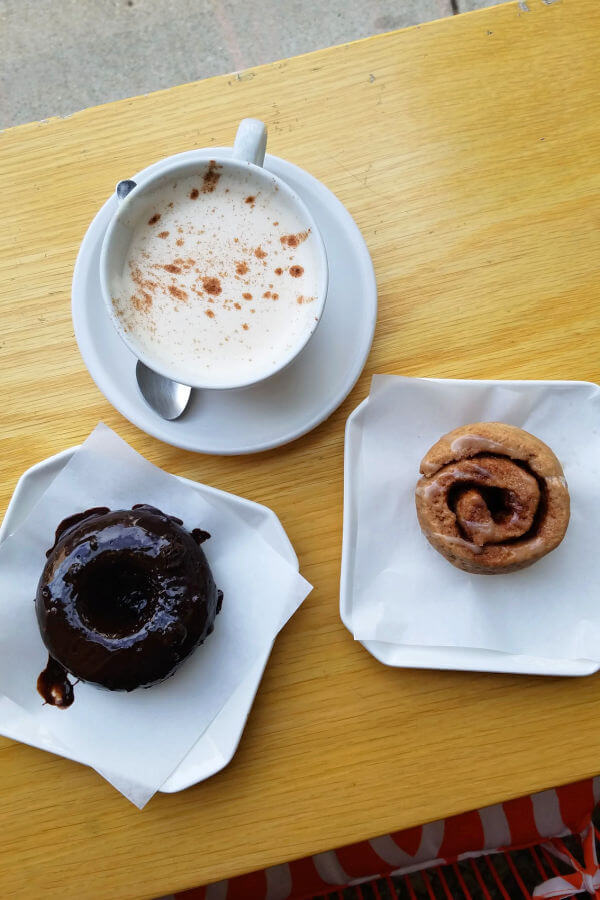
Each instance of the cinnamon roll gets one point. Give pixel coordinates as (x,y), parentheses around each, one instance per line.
(493,498)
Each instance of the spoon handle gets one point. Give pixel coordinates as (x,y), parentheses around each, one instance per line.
(124,188)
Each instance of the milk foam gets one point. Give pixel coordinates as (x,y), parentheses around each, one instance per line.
(220,283)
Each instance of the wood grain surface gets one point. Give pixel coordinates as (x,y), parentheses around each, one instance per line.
(467,151)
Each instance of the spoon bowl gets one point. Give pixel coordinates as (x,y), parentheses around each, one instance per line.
(168,398)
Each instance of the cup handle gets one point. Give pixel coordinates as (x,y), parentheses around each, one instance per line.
(251,141)
(123,188)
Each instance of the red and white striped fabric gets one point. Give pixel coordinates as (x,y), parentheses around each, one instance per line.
(584,880)
(515,824)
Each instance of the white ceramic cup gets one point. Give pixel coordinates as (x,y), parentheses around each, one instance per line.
(247,155)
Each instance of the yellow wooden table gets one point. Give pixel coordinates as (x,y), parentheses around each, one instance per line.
(467,152)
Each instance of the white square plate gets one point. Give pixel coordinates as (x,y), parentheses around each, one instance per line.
(216,747)
(432,657)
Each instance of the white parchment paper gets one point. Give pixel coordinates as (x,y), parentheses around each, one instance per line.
(407,593)
(137,739)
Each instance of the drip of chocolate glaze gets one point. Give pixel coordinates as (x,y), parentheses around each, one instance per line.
(54,686)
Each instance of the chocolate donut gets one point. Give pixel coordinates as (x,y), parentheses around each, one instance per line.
(124,598)
(493,498)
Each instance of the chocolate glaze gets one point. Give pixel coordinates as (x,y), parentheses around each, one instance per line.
(54,686)
(74,520)
(124,598)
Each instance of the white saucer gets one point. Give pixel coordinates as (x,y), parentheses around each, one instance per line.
(417,657)
(280,409)
(216,747)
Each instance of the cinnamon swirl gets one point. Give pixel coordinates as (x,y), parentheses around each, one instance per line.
(493,498)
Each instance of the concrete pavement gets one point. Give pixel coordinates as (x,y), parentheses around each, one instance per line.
(59,56)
